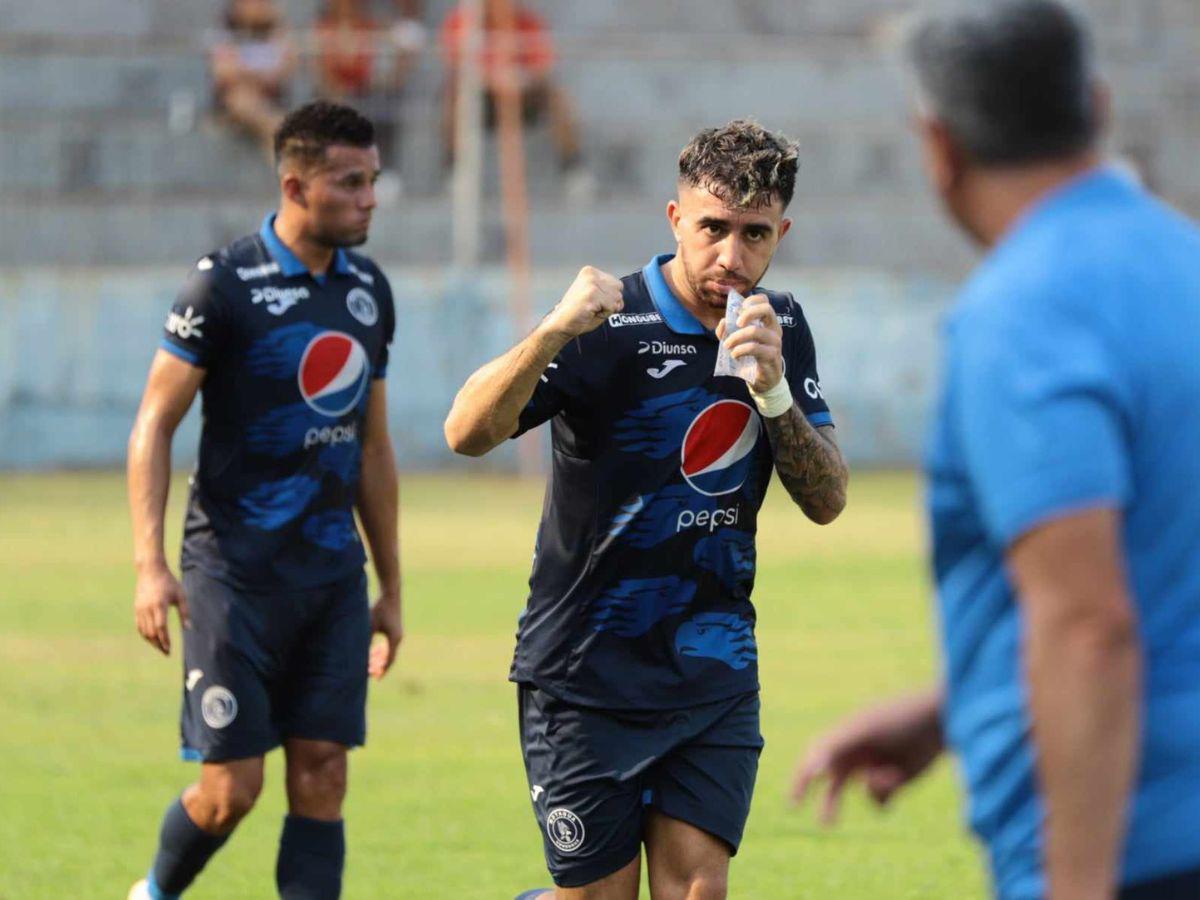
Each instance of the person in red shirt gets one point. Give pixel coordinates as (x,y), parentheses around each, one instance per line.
(534,59)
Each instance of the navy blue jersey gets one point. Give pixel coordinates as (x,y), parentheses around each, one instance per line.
(645,560)
(289,360)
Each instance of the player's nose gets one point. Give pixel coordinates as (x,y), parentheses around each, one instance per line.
(730,256)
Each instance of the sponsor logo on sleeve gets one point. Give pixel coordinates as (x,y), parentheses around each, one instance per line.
(812,387)
(186,326)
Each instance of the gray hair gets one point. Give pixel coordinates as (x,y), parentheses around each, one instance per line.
(1012,80)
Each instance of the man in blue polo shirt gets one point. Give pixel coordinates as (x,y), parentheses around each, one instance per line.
(285,334)
(636,661)
(1062,469)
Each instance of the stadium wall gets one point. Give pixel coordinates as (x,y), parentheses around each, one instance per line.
(75,345)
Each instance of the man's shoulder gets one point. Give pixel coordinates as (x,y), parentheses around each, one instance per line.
(243,260)
(365,269)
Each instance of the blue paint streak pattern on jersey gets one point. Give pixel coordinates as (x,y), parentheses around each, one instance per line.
(632,607)
(272,504)
(331,530)
(722,636)
(656,517)
(277,354)
(656,425)
(281,430)
(730,555)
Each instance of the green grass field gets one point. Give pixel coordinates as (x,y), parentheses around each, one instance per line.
(438,805)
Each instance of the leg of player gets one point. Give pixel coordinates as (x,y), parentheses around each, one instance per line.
(620,885)
(198,824)
(312,849)
(684,862)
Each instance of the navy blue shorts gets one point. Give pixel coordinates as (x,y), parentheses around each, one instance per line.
(594,773)
(262,667)
(1181,886)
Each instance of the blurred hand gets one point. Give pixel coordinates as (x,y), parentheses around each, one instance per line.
(888,746)
(588,302)
(156,591)
(387,620)
(760,336)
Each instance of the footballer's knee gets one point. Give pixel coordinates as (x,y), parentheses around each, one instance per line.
(225,795)
(316,780)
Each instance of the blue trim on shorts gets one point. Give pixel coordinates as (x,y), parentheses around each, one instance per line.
(190,754)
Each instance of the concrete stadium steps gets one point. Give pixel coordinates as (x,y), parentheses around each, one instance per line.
(892,231)
(79,154)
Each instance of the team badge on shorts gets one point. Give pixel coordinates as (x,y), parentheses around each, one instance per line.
(218,706)
(565,830)
(362,306)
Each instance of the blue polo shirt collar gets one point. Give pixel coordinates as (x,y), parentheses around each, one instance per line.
(674,313)
(289,263)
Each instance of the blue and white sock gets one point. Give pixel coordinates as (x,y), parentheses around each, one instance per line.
(312,854)
(183,850)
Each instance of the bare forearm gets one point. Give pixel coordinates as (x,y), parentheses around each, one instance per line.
(149,480)
(809,464)
(488,408)
(378,510)
(1085,698)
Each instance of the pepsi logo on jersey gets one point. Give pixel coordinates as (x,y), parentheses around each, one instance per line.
(718,447)
(334,372)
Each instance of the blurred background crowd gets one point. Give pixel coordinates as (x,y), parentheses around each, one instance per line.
(133,137)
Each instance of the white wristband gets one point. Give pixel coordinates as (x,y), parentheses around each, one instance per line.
(774,402)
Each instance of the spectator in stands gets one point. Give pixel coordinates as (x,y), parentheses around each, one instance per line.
(534,58)
(252,63)
(357,54)
(363,61)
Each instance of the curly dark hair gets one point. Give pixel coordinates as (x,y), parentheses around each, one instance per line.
(742,163)
(310,130)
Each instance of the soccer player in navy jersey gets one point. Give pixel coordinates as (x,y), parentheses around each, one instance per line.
(1062,470)
(285,335)
(636,661)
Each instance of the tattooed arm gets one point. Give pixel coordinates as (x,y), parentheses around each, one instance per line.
(807,459)
(809,464)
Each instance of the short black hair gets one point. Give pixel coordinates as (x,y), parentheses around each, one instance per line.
(742,163)
(307,132)
(1011,80)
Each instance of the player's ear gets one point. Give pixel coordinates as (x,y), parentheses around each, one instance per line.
(292,186)
(944,160)
(785,225)
(673,216)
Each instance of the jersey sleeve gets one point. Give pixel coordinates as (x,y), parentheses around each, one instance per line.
(800,360)
(1041,416)
(387,313)
(558,386)
(197,325)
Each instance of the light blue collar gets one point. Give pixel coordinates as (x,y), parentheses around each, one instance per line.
(289,263)
(674,313)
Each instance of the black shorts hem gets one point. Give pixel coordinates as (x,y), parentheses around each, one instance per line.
(188,753)
(731,837)
(358,740)
(584,875)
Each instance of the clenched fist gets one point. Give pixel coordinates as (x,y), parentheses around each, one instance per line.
(588,302)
